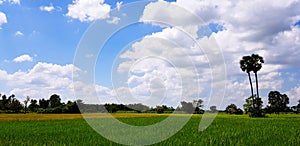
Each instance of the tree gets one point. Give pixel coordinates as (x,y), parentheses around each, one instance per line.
(33,105)
(187,107)
(233,109)
(198,103)
(256,66)
(246,66)
(253,106)
(213,109)
(278,102)
(71,107)
(159,109)
(54,101)
(25,103)
(44,103)
(15,105)
(248,105)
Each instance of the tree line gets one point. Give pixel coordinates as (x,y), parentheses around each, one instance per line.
(11,104)
(277,103)
(54,104)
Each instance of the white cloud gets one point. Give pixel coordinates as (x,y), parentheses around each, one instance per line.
(263,27)
(43,80)
(47,8)
(294,95)
(119,4)
(88,10)
(23,58)
(19,33)
(114,20)
(10,1)
(3,19)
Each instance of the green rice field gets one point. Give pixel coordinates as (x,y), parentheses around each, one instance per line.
(225,130)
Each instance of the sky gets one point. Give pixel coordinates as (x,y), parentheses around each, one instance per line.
(172,50)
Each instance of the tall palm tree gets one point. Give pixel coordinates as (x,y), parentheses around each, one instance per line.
(246,66)
(257,62)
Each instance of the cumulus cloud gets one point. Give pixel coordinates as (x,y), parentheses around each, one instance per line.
(47,8)
(45,79)
(263,27)
(88,10)
(3,19)
(23,58)
(294,95)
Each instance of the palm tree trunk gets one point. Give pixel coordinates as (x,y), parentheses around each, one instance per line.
(251,86)
(256,84)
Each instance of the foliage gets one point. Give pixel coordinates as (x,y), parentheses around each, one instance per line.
(192,107)
(277,102)
(187,107)
(213,109)
(253,107)
(249,64)
(25,103)
(43,103)
(233,109)
(33,106)
(10,104)
(246,66)
(159,109)
(55,101)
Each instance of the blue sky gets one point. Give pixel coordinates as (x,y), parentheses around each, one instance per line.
(38,42)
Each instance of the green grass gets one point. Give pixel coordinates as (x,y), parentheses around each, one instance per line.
(225,130)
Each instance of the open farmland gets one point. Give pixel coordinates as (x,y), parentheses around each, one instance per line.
(225,130)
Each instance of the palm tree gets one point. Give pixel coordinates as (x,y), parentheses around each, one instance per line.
(246,66)
(256,66)
(25,102)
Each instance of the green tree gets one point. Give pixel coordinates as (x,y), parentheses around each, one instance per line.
(25,103)
(33,105)
(248,105)
(15,106)
(71,107)
(257,62)
(213,109)
(246,66)
(43,103)
(233,109)
(253,106)
(187,107)
(278,102)
(159,109)
(55,101)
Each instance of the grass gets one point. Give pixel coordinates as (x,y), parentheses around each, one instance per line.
(225,130)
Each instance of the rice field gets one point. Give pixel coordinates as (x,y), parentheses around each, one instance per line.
(39,129)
